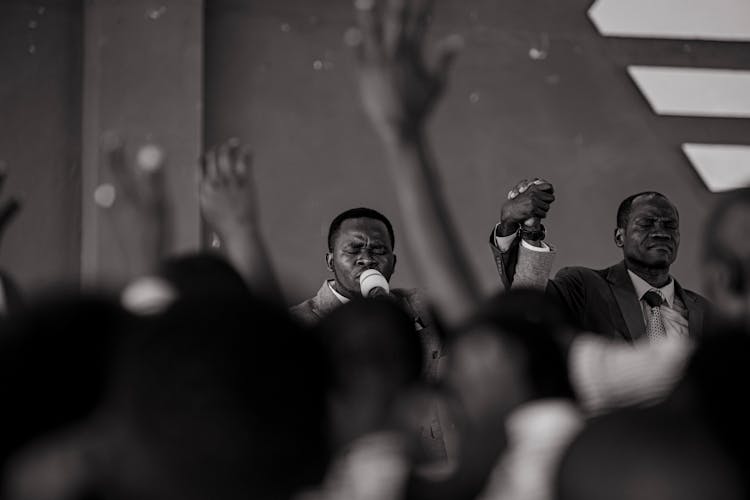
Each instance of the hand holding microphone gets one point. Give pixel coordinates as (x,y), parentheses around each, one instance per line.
(373,284)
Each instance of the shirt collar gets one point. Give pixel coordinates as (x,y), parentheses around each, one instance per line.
(641,287)
(341,298)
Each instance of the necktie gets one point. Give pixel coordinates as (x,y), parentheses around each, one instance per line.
(655,327)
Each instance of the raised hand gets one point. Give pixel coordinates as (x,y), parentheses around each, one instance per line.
(398,87)
(137,202)
(229,202)
(528,202)
(228,196)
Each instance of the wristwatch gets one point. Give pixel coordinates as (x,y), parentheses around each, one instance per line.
(536,233)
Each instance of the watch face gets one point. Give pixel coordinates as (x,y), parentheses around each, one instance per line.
(536,234)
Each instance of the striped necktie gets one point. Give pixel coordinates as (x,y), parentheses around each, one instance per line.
(655,327)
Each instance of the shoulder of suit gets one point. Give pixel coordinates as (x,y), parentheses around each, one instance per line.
(304,312)
(411,295)
(579,271)
(695,296)
(416,301)
(302,306)
(588,271)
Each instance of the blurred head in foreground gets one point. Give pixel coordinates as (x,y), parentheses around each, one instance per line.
(648,454)
(376,360)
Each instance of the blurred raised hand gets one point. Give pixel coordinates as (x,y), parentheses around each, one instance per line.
(137,202)
(229,203)
(398,86)
(228,195)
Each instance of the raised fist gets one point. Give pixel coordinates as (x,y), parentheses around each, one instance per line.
(527,203)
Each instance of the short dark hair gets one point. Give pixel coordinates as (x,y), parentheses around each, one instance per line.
(358,213)
(623,211)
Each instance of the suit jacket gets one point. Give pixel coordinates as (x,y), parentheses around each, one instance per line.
(520,267)
(599,301)
(604,301)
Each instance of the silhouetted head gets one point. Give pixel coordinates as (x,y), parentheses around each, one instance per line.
(648,454)
(535,331)
(228,397)
(709,390)
(190,276)
(202,274)
(726,266)
(375,356)
(56,363)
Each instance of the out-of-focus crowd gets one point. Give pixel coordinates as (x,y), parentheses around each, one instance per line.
(194,380)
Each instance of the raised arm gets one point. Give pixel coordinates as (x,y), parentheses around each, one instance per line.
(521,257)
(398,91)
(229,202)
(137,203)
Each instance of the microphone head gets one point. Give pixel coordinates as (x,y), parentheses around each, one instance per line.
(372,283)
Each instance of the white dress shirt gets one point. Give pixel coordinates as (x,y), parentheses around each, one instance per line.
(341,298)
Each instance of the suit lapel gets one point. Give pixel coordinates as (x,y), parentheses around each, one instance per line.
(694,312)
(505,262)
(627,301)
(324,301)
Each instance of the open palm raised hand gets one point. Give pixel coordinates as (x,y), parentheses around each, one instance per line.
(398,87)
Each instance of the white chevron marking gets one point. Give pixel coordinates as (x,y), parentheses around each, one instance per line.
(694,91)
(724,20)
(721,166)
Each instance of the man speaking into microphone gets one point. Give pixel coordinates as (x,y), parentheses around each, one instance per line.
(360,244)
(361,259)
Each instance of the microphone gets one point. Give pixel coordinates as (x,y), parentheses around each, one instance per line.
(373,284)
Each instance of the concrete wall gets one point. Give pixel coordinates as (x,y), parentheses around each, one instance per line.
(142,78)
(40,138)
(536,92)
(72,70)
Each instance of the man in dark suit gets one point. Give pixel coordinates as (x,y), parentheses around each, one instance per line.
(636,298)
